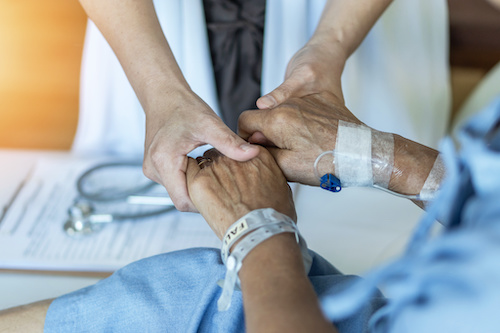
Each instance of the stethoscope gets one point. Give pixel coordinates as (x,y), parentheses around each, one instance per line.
(83,218)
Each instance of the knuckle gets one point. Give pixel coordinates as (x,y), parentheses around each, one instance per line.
(279,118)
(283,92)
(308,73)
(183,206)
(242,120)
(212,154)
(156,157)
(285,160)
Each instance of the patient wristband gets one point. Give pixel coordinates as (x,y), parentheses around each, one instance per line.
(241,250)
(246,224)
(259,225)
(363,157)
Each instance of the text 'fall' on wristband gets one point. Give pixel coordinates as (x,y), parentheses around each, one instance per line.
(251,230)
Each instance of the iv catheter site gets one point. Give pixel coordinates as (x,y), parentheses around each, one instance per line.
(365,157)
(317,135)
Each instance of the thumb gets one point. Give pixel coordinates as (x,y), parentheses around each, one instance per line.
(231,145)
(286,90)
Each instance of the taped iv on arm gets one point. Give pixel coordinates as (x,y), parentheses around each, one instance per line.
(364,157)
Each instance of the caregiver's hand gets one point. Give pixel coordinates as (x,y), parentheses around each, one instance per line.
(176,124)
(177,119)
(315,68)
(297,132)
(224,190)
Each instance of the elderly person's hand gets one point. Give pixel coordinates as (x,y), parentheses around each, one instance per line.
(224,190)
(297,132)
(300,129)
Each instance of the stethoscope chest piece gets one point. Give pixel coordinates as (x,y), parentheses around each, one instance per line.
(79,220)
(114,192)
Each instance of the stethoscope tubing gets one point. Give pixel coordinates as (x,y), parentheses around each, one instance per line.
(130,196)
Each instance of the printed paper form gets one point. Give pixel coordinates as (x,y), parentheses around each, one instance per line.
(32,237)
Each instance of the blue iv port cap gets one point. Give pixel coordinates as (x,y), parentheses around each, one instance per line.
(331,183)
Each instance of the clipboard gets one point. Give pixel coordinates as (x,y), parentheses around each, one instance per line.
(32,239)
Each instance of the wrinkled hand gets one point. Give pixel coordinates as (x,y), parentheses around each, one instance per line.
(297,132)
(174,127)
(224,190)
(313,69)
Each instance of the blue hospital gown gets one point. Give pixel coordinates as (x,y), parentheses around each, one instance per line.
(177,292)
(447,283)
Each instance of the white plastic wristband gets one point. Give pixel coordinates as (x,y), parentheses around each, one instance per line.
(254,220)
(264,223)
(251,221)
(241,250)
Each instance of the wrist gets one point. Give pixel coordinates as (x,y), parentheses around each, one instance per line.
(247,224)
(319,65)
(332,50)
(276,290)
(330,41)
(252,232)
(275,259)
(160,96)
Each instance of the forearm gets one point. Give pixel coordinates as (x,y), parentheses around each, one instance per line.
(412,165)
(26,318)
(133,31)
(345,23)
(277,294)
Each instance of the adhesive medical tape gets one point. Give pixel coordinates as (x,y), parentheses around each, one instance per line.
(382,158)
(363,157)
(431,185)
(353,155)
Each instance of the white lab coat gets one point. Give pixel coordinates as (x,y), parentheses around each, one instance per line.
(397,81)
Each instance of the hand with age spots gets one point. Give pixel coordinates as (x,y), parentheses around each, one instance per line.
(297,132)
(224,190)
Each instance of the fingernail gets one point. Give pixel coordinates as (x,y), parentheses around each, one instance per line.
(268,101)
(246,147)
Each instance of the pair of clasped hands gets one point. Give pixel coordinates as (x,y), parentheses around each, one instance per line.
(287,139)
(295,122)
